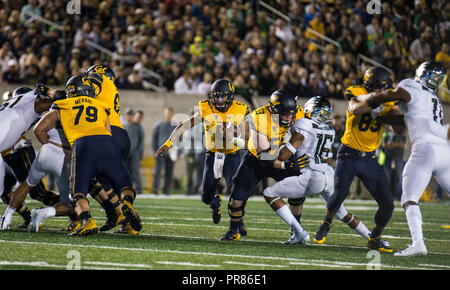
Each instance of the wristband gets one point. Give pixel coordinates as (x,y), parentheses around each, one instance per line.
(291,148)
(283,165)
(168,143)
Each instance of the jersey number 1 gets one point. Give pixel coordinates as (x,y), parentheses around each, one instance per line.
(321,149)
(91,114)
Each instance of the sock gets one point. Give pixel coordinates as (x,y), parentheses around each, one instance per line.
(128,198)
(26,214)
(234,226)
(328,220)
(109,208)
(376,232)
(9,212)
(297,218)
(84,216)
(414,218)
(49,211)
(362,230)
(289,218)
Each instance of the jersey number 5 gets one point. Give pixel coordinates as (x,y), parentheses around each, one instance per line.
(91,113)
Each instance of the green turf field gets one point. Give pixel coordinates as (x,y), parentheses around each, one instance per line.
(178,234)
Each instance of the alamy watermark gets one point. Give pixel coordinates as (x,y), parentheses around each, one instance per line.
(73,7)
(373,7)
(74,260)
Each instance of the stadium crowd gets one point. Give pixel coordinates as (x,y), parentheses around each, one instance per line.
(192,43)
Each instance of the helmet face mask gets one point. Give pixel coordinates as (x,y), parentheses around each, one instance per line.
(221,95)
(430,74)
(283,104)
(319,109)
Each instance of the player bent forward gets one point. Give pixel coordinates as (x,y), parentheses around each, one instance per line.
(313,137)
(86,125)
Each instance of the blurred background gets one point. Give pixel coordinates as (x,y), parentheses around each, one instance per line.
(166,54)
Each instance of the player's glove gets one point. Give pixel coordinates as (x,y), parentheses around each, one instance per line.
(297,162)
(41,89)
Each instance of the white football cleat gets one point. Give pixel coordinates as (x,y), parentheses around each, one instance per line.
(37,219)
(298,238)
(417,249)
(4,223)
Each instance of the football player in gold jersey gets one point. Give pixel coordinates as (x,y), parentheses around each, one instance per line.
(221,117)
(356,157)
(268,127)
(86,125)
(102,78)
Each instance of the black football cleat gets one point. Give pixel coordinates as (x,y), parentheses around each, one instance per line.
(231,236)
(321,234)
(242,230)
(216,208)
(379,245)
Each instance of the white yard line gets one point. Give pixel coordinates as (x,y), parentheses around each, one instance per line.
(186,264)
(117,264)
(284,259)
(254,264)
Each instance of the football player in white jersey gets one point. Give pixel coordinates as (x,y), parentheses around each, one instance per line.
(53,157)
(430,150)
(17,116)
(310,136)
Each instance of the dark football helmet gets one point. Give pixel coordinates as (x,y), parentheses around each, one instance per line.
(79,86)
(21,91)
(103,70)
(221,94)
(430,74)
(377,77)
(284,104)
(318,108)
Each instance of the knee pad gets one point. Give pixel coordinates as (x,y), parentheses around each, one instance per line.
(94,189)
(269,192)
(41,194)
(236,212)
(51,198)
(296,201)
(77,196)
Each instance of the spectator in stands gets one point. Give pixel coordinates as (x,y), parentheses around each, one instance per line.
(161,133)
(185,84)
(205,85)
(31,7)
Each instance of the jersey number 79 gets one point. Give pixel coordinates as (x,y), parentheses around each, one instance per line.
(91,113)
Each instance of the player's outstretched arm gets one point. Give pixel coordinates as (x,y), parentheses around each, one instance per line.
(176,134)
(397,95)
(48,122)
(356,107)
